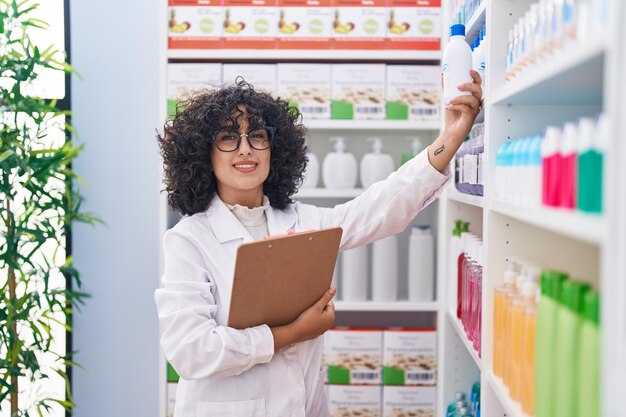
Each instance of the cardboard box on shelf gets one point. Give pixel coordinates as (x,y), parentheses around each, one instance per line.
(413,92)
(410,357)
(304,24)
(409,401)
(358,91)
(359,24)
(195,24)
(351,401)
(353,356)
(307,87)
(250,24)
(414,25)
(184,80)
(261,76)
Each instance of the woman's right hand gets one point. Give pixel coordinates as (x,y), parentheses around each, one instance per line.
(318,318)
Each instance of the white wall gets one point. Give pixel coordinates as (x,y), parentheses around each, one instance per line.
(115,48)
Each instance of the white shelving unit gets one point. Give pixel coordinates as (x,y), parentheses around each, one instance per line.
(405,306)
(301,55)
(579,80)
(365,125)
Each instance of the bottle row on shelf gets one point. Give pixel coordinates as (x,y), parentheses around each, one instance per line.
(548,26)
(563,168)
(547,345)
(355,264)
(305,24)
(323,91)
(469,163)
(464,407)
(462,11)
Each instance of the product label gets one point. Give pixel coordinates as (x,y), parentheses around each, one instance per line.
(409,401)
(195,24)
(413,92)
(353,356)
(414,25)
(358,91)
(250,24)
(171,398)
(409,357)
(305,24)
(359,24)
(354,401)
(184,80)
(470,167)
(480,169)
(307,87)
(261,76)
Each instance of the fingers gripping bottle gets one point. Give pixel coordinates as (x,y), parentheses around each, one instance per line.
(457,64)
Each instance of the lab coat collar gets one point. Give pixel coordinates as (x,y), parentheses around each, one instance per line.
(281,221)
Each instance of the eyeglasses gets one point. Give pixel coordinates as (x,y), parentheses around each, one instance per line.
(228,140)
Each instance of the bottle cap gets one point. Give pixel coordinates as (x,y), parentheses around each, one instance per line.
(572,295)
(420,230)
(510,274)
(340,144)
(458,224)
(465,227)
(457,30)
(592,307)
(529,289)
(551,282)
(586,133)
(459,396)
(377,145)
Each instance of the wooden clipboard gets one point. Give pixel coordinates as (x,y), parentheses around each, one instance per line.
(277,279)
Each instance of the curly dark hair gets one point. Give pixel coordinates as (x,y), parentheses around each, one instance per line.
(186,145)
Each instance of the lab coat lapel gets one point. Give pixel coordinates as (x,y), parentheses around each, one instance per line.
(225,225)
(281,221)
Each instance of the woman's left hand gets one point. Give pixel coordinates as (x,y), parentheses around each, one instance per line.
(460,114)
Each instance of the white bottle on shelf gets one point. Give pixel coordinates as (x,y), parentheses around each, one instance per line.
(385,270)
(376,165)
(340,167)
(312,173)
(457,64)
(354,274)
(421,271)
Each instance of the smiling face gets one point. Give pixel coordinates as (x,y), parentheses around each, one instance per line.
(240,174)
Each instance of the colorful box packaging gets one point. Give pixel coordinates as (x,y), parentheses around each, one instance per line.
(250,24)
(358,91)
(359,24)
(409,401)
(304,24)
(261,76)
(351,401)
(410,357)
(413,92)
(195,24)
(183,80)
(414,25)
(353,356)
(307,87)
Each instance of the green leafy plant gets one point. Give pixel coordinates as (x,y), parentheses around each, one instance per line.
(39,203)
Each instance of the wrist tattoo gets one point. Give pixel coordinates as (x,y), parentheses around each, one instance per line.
(439,150)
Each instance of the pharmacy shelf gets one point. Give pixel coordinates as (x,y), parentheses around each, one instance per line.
(511,408)
(572,75)
(460,331)
(472,200)
(476,22)
(386,125)
(302,55)
(574,224)
(407,306)
(328,193)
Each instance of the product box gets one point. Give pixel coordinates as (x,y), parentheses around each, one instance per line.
(195,24)
(409,401)
(353,356)
(351,401)
(359,24)
(250,24)
(171,398)
(307,87)
(414,25)
(183,80)
(413,92)
(358,91)
(304,24)
(410,357)
(261,76)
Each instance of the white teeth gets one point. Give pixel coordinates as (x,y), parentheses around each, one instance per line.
(245,166)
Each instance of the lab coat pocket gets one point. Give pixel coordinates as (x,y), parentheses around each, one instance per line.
(249,408)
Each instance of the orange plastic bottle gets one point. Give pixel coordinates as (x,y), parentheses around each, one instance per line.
(499,299)
(519,352)
(528,364)
(509,336)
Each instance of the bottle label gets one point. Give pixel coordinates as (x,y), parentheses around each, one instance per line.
(480,169)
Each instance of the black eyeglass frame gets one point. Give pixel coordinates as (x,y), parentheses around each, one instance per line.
(270,129)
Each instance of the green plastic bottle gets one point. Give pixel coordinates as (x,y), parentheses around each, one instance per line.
(589,358)
(551,282)
(416,146)
(569,321)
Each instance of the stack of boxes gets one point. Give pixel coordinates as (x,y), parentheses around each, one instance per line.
(325,91)
(381,373)
(305,24)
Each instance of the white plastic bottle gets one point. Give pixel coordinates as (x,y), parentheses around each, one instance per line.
(376,165)
(479,58)
(385,270)
(312,173)
(457,64)
(354,274)
(340,167)
(421,279)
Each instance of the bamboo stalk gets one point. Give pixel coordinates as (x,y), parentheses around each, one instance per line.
(12,296)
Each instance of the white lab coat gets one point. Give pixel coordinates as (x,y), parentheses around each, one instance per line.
(235,373)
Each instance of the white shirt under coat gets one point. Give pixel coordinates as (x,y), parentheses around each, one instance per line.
(235,373)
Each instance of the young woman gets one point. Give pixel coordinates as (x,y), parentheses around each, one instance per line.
(233,158)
